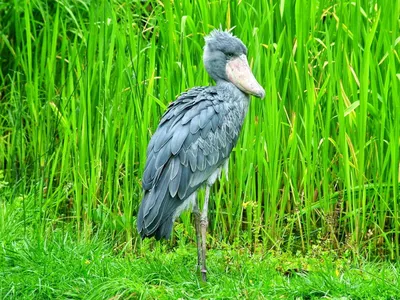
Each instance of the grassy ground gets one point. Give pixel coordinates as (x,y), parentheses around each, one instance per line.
(57,265)
(63,268)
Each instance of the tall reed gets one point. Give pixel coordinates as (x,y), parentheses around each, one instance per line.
(83,87)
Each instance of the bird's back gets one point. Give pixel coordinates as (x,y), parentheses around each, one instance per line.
(194,138)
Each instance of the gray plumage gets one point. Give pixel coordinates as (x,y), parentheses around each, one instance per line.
(193,140)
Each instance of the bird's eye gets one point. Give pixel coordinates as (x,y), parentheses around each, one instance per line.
(229,55)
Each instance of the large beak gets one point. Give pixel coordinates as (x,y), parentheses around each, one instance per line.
(239,73)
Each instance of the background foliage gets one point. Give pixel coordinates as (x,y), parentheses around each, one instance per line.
(83,85)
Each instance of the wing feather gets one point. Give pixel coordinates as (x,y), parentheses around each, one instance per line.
(194,138)
(178,139)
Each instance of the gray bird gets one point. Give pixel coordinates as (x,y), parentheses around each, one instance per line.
(192,143)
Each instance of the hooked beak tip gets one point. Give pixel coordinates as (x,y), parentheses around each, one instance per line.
(260,93)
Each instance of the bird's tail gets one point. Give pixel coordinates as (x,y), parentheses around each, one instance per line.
(156,214)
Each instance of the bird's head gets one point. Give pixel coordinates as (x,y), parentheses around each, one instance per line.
(225,59)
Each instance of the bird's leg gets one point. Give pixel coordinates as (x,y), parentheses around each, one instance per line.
(203,229)
(196,214)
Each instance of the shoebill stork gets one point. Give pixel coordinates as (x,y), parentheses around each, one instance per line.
(192,143)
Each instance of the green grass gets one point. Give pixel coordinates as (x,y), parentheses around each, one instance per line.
(61,267)
(58,265)
(319,158)
(82,89)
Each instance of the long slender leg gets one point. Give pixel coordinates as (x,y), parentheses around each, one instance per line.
(203,229)
(196,214)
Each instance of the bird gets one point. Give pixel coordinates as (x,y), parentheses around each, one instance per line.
(191,145)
